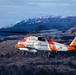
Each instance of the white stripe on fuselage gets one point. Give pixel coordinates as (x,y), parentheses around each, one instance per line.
(60,47)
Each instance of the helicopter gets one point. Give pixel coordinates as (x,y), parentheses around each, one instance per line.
(35,43)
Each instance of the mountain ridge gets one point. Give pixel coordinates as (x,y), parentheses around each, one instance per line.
(39,24)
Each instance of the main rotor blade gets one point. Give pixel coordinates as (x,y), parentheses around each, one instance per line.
(6,31)
(18,32)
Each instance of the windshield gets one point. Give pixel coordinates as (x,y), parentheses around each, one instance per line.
(41,39)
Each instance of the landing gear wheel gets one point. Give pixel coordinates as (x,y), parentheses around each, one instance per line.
(25,53)
(35,53)
(49,54)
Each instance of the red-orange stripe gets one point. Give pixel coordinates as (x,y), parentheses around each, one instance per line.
(26,38)
(51,45)
(21,43)
(70,48)
(23,40)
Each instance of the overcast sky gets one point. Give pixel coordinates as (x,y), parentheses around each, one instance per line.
(12,11)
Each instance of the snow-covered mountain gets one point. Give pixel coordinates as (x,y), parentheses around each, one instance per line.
(43,23)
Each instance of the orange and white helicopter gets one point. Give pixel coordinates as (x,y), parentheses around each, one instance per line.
(35,44)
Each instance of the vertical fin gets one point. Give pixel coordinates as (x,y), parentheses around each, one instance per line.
(73,43)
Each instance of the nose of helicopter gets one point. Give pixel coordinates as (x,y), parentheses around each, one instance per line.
(19,46)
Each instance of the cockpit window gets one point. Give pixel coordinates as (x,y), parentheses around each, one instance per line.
(41,39)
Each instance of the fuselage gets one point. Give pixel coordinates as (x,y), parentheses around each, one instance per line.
(33,43)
